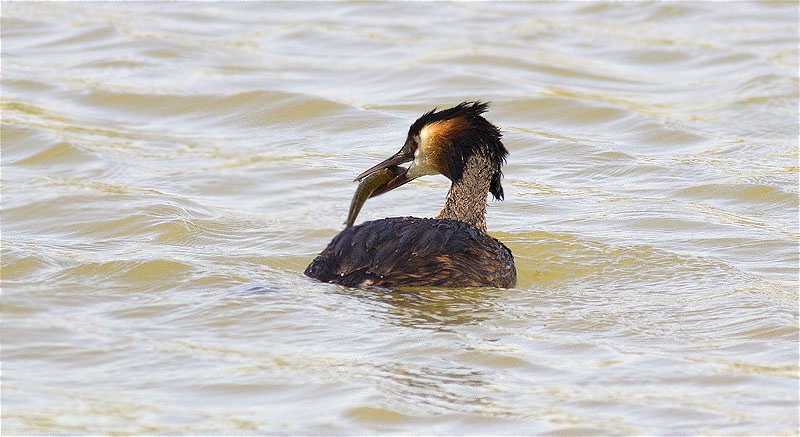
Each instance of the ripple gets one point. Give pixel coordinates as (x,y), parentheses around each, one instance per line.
(169,171)
(746,193)
(134,273)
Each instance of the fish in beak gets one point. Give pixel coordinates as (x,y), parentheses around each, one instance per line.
(383,177)
(406,154)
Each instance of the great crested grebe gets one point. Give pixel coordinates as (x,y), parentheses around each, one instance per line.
(452,250)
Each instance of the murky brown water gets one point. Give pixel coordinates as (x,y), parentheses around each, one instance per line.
(168,170)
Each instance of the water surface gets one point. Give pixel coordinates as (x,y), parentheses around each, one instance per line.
(168,171)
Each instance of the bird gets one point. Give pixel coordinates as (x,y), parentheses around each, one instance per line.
(451,250)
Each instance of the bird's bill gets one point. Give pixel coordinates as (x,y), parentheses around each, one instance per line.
(400,174)
(394,160)
(401,178)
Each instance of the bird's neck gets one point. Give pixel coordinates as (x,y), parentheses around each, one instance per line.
(466,200)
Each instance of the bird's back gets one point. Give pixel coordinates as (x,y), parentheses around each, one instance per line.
(415,252)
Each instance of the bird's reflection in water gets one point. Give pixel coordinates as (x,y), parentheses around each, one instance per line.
(431,308)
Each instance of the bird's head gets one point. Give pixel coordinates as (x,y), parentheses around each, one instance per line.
(441,142)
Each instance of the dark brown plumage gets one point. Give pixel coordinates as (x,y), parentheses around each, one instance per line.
(415,252)
(452,250)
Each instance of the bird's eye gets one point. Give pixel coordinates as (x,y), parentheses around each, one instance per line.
(414,144)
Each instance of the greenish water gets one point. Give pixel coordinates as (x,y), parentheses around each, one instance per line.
(168,171)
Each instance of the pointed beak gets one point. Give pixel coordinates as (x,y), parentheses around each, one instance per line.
(396,159)
(391,163)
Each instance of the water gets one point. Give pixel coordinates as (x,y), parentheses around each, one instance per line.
(168,171)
